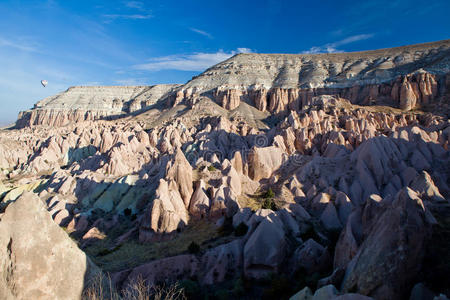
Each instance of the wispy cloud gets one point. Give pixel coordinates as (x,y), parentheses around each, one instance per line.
(201,32)
(333,47)
(125,16)
(189,62)
(135,4)
(135,10)
(17,45)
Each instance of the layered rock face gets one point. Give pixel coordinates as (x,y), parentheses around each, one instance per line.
(81,103)
(404,77)
(223,185)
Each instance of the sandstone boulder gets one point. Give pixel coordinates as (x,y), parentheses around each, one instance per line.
(264,161)
(162,270)
(222,261)
(38,259)
(392,252)
(310,257)
(265,249)
(330,219)
(167,212)
(423,184)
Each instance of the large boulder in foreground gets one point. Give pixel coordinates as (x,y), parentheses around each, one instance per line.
(38,260)
(390,258)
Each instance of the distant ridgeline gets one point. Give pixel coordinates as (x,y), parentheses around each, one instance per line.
(406,77)
(81,103)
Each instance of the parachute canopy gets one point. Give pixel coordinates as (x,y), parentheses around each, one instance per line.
(44,83)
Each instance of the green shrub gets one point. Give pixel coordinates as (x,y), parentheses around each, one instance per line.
(194,248)
(269,204)
(211,168)
(106,251)
(268,194)
(241,229)
(191,288)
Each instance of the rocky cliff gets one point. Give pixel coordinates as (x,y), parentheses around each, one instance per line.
(405,77)
(81,103)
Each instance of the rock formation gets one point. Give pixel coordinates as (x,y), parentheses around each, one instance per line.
(81,103)
(38,259)
(328,171)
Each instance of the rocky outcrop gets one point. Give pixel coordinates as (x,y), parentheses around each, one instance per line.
(84,103)
(229,99)
(265,249)
(310,257)
(406,92)
(180,171)
(280,82)
(392,251)
(328,292)
(263,162)
(168,269)
(273,82)
(200,203)
(27,226)
(167,213)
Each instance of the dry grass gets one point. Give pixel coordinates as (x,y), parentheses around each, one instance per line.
(133,253)
(256,201)
(251,201)
(102,288)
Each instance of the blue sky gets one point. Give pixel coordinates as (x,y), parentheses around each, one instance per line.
(121,42)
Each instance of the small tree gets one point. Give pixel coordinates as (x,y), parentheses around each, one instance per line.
(193,248)
(269,194)
(269,204)
(127,212)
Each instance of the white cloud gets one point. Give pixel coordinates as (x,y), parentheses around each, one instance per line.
(136,10)
(17,45)
(131,17)
(190,62)
(244,50)
(135,4)
(201,32)
(332,47)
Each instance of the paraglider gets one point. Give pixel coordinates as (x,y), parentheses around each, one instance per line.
(44,83)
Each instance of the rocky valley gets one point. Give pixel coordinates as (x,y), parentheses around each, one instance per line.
(268,176)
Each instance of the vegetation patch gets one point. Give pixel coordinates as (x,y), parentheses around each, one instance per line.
(132,253)
(269,204)
(193,248)
(265,200)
